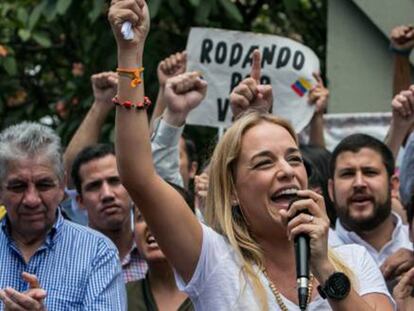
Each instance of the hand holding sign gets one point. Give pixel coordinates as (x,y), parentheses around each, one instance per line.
(319,95)
(182,94)
(250,94)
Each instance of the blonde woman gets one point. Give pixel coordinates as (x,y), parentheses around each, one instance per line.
(245,259)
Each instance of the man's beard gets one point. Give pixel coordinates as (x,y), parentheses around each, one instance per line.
(381,212)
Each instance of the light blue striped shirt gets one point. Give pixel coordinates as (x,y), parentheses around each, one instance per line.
(78,267)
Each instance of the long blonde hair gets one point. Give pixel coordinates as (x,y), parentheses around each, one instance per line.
(227,219)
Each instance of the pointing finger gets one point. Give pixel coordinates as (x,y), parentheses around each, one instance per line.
(256,67)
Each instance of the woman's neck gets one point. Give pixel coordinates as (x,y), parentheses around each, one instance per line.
(278,254)
(164,290)
(161,276)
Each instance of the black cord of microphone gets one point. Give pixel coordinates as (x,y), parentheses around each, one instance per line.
(302,253)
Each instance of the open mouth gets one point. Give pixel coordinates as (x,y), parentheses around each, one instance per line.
(284,196)
(361,199)
(151,241)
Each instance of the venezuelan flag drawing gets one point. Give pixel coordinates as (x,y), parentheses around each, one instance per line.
(301,86)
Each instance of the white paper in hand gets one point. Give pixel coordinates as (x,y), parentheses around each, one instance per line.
(126,31)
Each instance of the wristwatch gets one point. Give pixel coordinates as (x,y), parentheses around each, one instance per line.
(337,287)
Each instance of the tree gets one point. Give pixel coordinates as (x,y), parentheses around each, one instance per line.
(49,48)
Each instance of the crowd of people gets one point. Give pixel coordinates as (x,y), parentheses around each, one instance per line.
(100,227)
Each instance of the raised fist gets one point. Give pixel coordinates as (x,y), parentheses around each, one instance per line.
(104,86)
(402,38)
(182,94)
(171,66)
(135,12)
(403,108)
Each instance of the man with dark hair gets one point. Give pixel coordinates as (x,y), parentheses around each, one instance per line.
(100,191)
(48,262)
(362,169)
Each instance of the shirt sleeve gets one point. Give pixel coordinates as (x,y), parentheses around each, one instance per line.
(213,250)
(366,272)
(105,289)
(165,152)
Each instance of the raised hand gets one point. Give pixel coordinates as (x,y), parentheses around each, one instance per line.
(398,263)
(134,11)
(201,185)
(104,87)
(200,190)
(250,94)
(402,38)
(319,95)
(403,109)
(171,66)
(32,299)
(182,94)
(402,292)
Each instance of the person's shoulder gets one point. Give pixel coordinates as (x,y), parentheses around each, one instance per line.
(356,257)
(215,237)
(350,250)
(136,295)
(87,235)
(333,239)
(134,286)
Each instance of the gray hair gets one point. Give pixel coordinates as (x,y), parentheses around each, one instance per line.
(29,140)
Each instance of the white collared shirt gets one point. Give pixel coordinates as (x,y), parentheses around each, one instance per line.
(400,239)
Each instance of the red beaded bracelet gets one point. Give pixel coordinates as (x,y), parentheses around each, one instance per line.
(128,104)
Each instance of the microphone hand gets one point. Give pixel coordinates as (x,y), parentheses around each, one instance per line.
(302,254)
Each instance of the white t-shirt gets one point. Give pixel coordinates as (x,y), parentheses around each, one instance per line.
(218,283)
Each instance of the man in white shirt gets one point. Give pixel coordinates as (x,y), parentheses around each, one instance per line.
(362,168)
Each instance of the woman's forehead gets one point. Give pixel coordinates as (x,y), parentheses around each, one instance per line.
(267,135)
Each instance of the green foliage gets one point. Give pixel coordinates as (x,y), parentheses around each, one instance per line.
(49,48)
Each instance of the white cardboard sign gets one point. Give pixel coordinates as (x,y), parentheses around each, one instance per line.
(224,59)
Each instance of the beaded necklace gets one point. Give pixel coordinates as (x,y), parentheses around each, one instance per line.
(279,297)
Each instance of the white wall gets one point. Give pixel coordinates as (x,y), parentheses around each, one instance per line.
(359,63)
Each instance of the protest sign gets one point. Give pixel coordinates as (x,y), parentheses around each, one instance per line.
(224,59)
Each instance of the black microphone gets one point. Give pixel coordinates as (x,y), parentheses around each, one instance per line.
(302,253)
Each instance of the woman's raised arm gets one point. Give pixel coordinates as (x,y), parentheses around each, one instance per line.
(176,229)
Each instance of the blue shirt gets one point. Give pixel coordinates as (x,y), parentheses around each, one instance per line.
(78,267)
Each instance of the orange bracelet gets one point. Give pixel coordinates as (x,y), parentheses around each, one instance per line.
(128,104)
(134,74)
